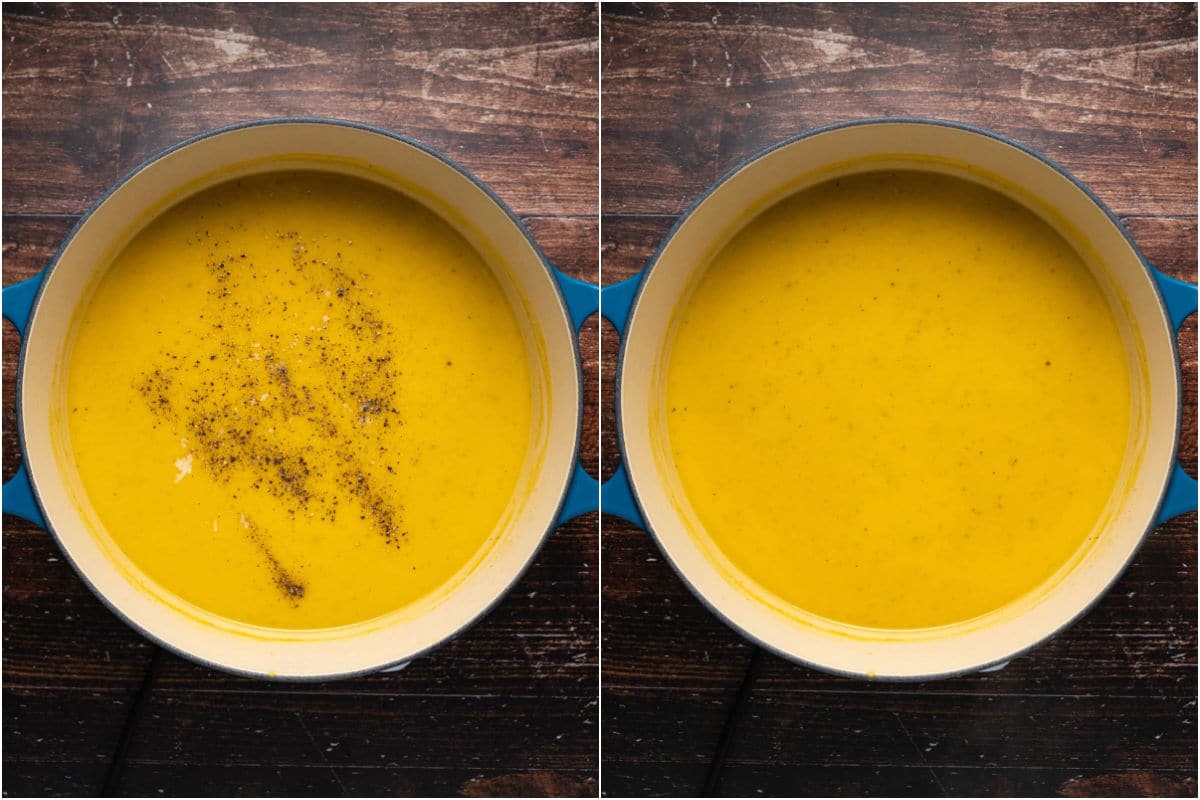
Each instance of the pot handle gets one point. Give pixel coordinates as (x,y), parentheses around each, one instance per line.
(18,497)
(583,300)
(1180,299)
(616,495)
(586,494)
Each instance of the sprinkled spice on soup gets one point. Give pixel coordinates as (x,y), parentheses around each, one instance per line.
(299,400)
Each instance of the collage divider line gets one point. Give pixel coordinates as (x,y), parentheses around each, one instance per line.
(602,399)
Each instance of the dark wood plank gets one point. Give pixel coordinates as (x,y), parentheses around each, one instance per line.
(56,633)
(1018,730)
(653,780)
(837,781)
(62,725)
(820,780)
(671,672)
(377,764)
(689,648)
(393,731)
(219,780)
(690,90)
(671,728)
(60,779)
(90,91)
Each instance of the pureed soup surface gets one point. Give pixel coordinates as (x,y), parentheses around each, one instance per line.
(299,400)
(897,400)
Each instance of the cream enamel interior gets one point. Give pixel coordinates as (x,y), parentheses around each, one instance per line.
(985,640)
(386,640)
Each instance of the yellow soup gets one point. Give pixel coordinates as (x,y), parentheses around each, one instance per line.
(897,400)
(300,400)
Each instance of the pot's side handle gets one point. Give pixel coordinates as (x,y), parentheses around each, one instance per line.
(585,493)
(18,300)
(583,300)
(616,498)
(616,495)
(1180,497)
(1180,298)
(583,496)
(18,496)
(19,500)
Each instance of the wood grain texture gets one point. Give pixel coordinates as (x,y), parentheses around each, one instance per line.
(916,781)
(1107,707)
(90,91)
(507,708)
(323,781)
(1109,91)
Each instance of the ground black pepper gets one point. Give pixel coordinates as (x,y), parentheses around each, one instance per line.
(269,396)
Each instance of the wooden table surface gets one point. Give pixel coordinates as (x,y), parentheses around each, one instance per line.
(511,706)
(1107,707)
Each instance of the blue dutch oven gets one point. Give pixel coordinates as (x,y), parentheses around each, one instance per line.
(45,491)
(1152,306)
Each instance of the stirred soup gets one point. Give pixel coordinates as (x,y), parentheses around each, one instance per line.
(897,399)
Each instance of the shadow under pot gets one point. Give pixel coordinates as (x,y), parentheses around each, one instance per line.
(899,399)
(299,398)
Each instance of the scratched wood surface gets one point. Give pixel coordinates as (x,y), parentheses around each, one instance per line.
(1109,707)
(508,708)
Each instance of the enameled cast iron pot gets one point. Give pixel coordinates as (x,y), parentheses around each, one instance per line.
(1153,305)
(42,309)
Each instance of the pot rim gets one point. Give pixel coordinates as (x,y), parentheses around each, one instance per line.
(232,128)
(1152,523)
